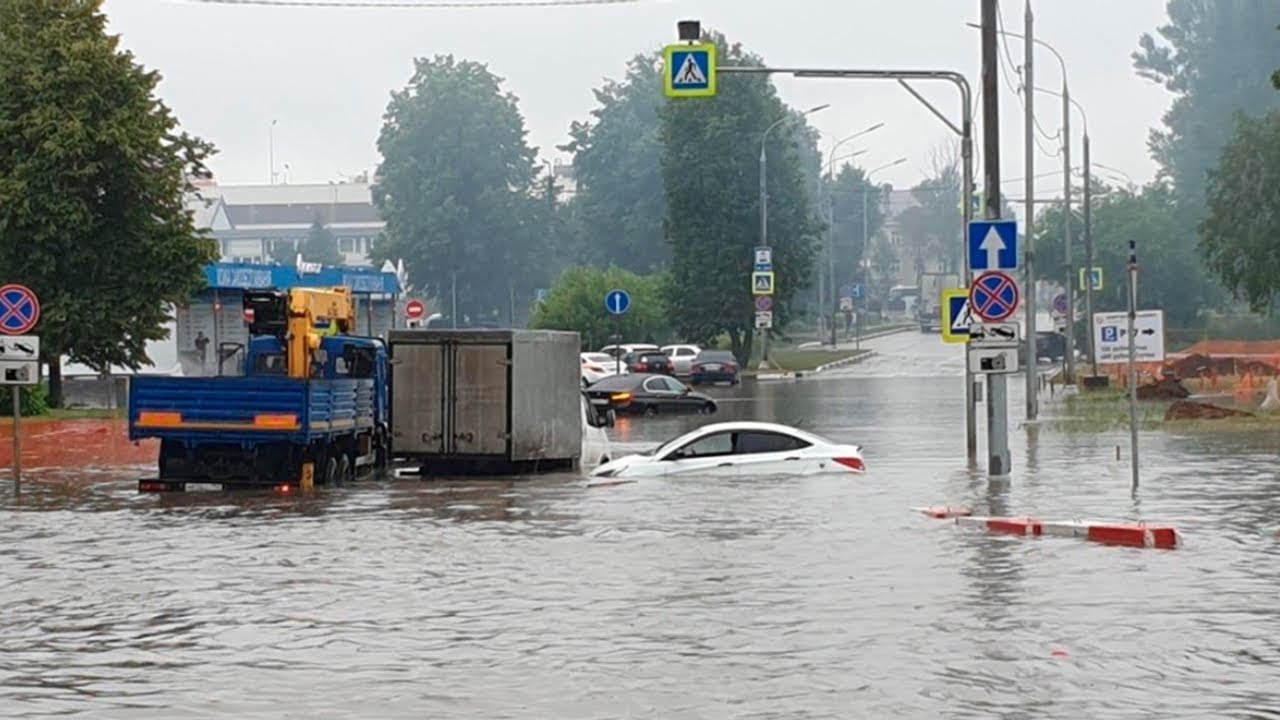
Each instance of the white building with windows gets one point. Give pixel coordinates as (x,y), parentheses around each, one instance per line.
(262,223)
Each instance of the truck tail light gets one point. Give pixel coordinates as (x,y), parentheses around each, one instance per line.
(159,419)
(272,421)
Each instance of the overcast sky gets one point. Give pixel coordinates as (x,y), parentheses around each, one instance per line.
(325,74)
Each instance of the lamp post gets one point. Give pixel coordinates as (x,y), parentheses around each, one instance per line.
(829,258)
(1088,231)
(271,151)
(764,203)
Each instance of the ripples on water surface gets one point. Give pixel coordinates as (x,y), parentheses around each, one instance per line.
(818,597)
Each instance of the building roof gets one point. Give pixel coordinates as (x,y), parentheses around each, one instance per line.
(204,210)
(247,206)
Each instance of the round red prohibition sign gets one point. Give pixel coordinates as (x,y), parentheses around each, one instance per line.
(994,296)
(19,310)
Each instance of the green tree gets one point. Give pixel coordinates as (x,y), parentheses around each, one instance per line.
(1215,57)
(617,163)
(576,302)
(1172,275)
(852,195)
(710,169)
(1239,234)
(320,246)
(93,175)
(456,187)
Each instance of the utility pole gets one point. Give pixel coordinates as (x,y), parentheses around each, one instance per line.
(997,384)
(1088,258)
(1028,96)
(1066,229)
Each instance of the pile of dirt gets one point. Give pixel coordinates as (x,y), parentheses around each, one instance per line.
(1187,410)
(1197,365)
(1166,388)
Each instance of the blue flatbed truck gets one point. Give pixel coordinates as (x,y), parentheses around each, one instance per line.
(310,409)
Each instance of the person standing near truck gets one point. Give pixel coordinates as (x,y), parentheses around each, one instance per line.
(202,348)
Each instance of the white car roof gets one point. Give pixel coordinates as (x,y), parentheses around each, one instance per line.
(746,426)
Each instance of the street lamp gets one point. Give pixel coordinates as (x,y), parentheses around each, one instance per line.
(764,202)
(830,275)
(764,170)
(271,151)
(1128,178)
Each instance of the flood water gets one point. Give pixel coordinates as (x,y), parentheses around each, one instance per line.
(821,597)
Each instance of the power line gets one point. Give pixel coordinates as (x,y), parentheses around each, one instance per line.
(425,4)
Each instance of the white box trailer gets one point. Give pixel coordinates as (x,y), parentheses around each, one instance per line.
(486,401)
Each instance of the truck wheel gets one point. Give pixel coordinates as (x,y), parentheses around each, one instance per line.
(330,470)
(344,469)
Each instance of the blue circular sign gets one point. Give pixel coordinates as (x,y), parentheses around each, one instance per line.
(1060,303)
(19,309)
(617,302)
(994,296)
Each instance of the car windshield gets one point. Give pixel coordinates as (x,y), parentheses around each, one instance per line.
(723,356)
(597,358)
(653,357)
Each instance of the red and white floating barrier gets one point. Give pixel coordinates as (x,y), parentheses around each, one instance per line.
(1162,537)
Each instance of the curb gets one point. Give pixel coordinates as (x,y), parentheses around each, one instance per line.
(845,362)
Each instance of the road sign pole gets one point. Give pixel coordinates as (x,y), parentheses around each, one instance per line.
(1133,362)
(997,385)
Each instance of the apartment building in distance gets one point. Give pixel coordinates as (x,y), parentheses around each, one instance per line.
(266,223)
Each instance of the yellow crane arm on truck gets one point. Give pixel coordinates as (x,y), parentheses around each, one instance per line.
(307,308)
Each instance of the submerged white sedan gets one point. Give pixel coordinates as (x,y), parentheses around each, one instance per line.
(733,449)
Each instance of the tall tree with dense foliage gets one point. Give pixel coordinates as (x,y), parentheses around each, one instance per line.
(710,169)
(576,302)
(1171,276)
(93,176)
(852,196)
(617,162)
(1215,57)
(456,186)
(1239,235)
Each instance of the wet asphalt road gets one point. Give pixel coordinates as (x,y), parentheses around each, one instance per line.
(820,597)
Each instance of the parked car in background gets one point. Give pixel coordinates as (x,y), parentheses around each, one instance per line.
(648,361)
(598,365)
(713,366)
(682,358)
(647,394)
(619,350)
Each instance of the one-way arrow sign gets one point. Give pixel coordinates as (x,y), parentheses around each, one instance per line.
(993,245)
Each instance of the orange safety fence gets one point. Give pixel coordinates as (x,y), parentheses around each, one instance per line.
(82,443)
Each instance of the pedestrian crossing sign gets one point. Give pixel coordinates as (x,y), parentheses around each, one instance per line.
(762,282)
(956,317)
(690,70)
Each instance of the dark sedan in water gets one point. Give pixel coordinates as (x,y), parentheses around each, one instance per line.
(712,366)
(648,394)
